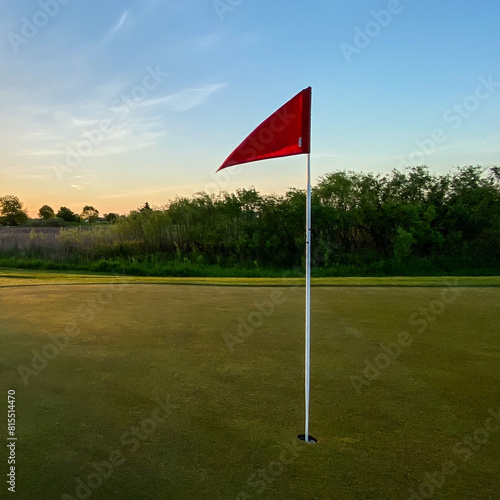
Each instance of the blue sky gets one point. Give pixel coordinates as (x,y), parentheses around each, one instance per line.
(117,103)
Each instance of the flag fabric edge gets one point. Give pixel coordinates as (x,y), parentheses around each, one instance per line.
(282,134)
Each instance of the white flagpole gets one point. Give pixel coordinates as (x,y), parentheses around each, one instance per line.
(308,296)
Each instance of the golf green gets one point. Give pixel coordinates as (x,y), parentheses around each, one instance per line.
(156,391)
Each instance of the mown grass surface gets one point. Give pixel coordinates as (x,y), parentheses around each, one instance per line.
(17,277)
(237,412)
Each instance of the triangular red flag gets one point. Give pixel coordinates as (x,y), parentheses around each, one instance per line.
(286,132)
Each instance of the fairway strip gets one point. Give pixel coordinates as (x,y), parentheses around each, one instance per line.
(17,277)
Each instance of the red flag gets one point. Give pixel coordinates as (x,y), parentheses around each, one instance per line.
(286,132)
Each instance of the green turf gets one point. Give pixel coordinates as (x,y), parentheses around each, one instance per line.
(238,412)
(18,277)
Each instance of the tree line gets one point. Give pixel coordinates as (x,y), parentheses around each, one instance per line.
(404,222)
(13,213)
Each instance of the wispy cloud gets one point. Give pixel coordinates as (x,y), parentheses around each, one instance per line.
(326,154)
(208,43)
(116,27)
(186,99)
(26,172)
(40,152)
(119,24)
(252,37)
(73,129)
(149,191)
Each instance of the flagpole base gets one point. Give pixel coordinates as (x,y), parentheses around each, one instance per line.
(310,440)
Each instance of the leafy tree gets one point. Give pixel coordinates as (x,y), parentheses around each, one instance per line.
(111,217)
(495,174)
(12,210)
(402,244)
(67,215)
(89,213)
(405,222)
(46,212)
